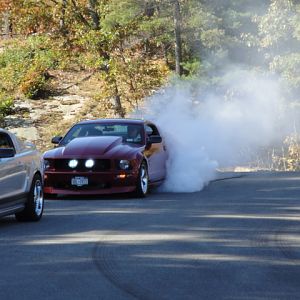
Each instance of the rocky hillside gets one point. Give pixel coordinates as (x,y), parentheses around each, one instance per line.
(71,99)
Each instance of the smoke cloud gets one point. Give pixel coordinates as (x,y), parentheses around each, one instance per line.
(224,126)
(234,114)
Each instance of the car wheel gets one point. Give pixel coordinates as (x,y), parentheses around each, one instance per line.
(142,186)
(34,206)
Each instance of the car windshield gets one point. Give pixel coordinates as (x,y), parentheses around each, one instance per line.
(130,133)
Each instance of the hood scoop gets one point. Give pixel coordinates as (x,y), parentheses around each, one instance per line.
(91,145)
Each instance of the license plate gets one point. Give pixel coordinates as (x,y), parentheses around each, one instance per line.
(80,181)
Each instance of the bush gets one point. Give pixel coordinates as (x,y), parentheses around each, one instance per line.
(23,65)
(6,104)
(33,83)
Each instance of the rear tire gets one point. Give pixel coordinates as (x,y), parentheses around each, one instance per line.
(34,206)
(142,185)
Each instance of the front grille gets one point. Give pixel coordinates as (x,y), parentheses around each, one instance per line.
(101,165)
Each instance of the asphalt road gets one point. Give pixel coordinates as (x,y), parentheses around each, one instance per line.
(237,239)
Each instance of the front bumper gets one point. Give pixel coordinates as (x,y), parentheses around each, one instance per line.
(99,183)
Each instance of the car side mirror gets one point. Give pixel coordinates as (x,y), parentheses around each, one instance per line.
(7,152)
(154,139)
(56,140)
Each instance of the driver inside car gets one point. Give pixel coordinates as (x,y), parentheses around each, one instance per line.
(133,134)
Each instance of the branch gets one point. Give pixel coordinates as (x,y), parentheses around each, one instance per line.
(80,15)
(54,1)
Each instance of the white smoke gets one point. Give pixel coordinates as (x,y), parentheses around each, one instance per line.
(220,128)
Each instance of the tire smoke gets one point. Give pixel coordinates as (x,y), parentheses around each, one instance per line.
(206,128)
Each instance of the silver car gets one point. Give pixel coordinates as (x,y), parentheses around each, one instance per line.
(21,183)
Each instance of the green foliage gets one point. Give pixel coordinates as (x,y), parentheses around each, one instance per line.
(32,16)
(275,25)
(192,67)
(130,45)
(293,152)
(120,13)
(202,26)
(24,64)
(6,104)
(132,48)
(13,64)
(278,40)
(287,158)
(288,66)
(33,83)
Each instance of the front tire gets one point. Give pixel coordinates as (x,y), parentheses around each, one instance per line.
(34,206)
(142,185)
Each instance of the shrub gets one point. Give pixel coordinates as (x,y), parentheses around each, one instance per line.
(23,65)
(33,83)
(6,104)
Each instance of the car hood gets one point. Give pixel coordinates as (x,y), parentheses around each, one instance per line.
(95,147)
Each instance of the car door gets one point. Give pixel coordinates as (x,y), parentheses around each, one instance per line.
(156,155)
(13,173)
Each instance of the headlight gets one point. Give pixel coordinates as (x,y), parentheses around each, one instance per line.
(73,163)
(124,164)
(46,164)
(89,163)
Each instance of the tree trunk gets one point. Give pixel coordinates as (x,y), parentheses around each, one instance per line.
(92,8)
(118,105)
(79,15)
(149,9)
(178,42)
(62,22)
(7,25)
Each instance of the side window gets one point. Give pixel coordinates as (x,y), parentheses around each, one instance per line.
(5,141)
(151,130)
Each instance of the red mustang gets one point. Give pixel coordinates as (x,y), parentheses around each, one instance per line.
(105,156)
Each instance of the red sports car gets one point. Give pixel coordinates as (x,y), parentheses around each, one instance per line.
(105,156)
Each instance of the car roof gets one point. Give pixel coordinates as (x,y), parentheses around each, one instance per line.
(5,131)
(113,121)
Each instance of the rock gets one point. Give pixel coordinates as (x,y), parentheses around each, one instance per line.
(28,133)
(70,102)
(54,106)
(34,120)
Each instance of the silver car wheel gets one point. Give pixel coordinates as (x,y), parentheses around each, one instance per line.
(38,197)
(144,179)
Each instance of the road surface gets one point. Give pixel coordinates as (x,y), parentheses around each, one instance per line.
(237,239)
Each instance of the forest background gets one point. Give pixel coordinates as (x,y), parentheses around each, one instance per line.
(132,48)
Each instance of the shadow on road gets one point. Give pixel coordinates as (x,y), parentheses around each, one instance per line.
(237,239)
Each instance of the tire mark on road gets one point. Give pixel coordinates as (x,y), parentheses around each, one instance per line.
(278,245)
(289,251)
(104,258)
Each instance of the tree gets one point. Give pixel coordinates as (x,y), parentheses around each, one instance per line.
(62,20)
(92,9)
(178,42)
(279,40)
(5,11)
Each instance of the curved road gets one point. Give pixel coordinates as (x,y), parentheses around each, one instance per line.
(236,239)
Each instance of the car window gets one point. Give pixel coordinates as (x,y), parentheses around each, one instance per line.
(5,141)
(134,134)
(130,133)
(151,129)
(148,130)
